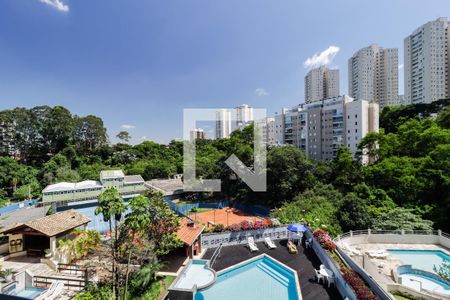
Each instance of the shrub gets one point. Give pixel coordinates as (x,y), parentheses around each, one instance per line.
(234,227)
(259,225)
(218,228)
(324,239)
(246,225)
(362,291)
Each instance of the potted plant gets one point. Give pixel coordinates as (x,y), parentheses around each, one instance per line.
(7,274)
(48,253)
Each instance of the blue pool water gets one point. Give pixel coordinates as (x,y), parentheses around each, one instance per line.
(421,259)
(30,293)
(260,279)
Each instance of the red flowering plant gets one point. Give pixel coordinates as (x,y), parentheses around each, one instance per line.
(246,225)
(324,239)
(259,225)
(362,291)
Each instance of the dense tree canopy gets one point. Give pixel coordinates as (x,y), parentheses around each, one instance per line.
(409,166)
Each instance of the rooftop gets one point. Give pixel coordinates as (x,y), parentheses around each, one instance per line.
(68,186)
(189,233)
(167,186)
(304,263)
(23,215)
(111,174)
(54,224)
(133,179)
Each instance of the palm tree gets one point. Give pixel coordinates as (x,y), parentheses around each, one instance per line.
(111,206)
(136,222)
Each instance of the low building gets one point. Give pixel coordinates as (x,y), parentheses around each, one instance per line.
(170,187)
(92,189)
(190,233)
(36,236)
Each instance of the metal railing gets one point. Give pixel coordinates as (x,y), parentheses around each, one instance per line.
(69,283)
(73,269)
(392,232)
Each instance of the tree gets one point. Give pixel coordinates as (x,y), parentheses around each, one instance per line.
(58,129)
(124,136)
(136,223)
(111,206)
(89,133)
(345,170)
(288,172)
(402,218)
(353,213)
(165,223)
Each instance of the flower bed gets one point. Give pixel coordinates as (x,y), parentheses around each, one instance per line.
(324,239)
(362,291)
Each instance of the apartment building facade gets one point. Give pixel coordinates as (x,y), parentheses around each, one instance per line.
(320,128)
(197,134)
(427,62)
(373,75)
(321,83)
(223,123)
(7,136)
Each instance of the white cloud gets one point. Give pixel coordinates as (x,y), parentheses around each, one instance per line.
(144,137)
(127,126)
(58,4)
(321,59)
(261,92)
(400,66)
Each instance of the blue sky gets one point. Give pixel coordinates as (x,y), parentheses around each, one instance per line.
(138,63)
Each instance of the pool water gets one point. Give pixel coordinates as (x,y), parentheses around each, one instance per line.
(30,293)
(197,273)
(260,279)
(428,283)
(421,259)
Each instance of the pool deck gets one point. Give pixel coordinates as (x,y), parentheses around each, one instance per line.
(303,262)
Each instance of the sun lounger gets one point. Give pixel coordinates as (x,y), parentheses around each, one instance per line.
(270,243)
(377,254)
(57,292)
(291,247)
(251,244)
(47,292)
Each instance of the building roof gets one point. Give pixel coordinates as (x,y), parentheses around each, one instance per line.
(189,231)
(23,215)
(133,179)
(69,186)
(107,174)
(55,224)
(167,186)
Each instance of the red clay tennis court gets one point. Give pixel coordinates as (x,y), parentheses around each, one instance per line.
(225,216)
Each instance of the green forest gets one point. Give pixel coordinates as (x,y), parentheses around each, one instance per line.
(406,185)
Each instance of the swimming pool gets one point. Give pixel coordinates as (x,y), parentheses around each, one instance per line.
(197,273)
(421,259)
(261,278)
(30,293)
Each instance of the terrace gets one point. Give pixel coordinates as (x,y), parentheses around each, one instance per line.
(304,263)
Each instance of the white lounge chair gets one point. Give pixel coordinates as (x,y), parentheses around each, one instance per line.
(251,244)
(47,292)
(57,292)
(270,243)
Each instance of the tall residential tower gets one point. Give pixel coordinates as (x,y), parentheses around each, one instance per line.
(373,75)
(427,62)
(321,83)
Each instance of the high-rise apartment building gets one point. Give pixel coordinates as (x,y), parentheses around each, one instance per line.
(7,132)
(244,115)
(373,75)
(426,65)
(223,123)
(321,83)
(320,128)
(197,134)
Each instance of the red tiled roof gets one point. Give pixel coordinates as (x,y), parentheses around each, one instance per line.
(188,234)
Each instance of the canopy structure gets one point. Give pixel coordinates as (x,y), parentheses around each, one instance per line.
(297,228)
